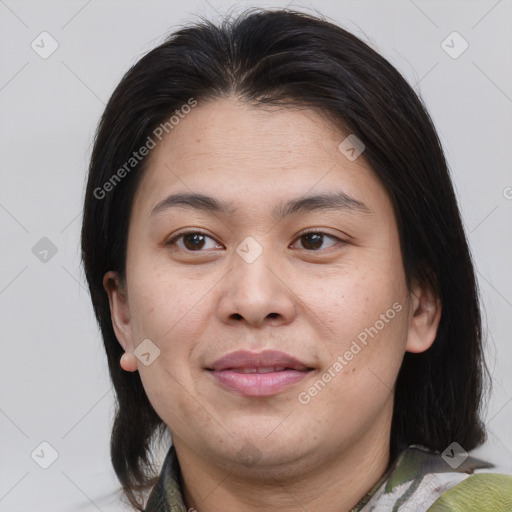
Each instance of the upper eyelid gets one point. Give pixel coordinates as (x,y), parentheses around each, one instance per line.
(176,237)
(313,231)
(310,231)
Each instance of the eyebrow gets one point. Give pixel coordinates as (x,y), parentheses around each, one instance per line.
(332,201)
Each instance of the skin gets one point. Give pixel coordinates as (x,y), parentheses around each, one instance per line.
(197,305)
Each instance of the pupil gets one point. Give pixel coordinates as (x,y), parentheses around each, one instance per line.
(316,241)
(197,244)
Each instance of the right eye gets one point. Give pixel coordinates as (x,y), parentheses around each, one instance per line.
(192,241)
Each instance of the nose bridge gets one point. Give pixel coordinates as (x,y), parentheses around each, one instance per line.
(254,290)
(253,266)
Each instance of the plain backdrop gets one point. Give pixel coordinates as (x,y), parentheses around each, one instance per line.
(54,383)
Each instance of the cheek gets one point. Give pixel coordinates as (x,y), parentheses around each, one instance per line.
(162,303)
(353,298)
(170,316)
(366,311)
(172,396)
(365,360)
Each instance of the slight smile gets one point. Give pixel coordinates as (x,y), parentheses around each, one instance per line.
(258,374)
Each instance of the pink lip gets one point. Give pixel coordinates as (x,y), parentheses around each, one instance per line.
(287,370)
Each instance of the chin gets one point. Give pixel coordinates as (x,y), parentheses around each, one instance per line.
(267,465)
(263,450)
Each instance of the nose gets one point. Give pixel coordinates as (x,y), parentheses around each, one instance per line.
(257,293)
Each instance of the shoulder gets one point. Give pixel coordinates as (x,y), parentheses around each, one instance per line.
(421,480)
(491,492)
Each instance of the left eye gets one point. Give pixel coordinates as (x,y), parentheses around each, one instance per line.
(313,240)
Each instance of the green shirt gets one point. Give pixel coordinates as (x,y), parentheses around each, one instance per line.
(418,480)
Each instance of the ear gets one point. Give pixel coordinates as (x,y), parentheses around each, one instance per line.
(119,311)
(425,314)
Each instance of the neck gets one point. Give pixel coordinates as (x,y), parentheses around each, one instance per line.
(336,484)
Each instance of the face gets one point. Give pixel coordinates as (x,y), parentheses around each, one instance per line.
(277,323)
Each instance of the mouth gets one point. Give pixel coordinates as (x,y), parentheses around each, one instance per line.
(258,374)
(261,369)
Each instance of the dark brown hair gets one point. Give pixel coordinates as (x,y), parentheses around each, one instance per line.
(282,57)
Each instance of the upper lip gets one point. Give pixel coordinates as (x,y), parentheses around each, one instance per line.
(265,359)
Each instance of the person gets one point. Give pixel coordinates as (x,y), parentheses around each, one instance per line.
(277,262)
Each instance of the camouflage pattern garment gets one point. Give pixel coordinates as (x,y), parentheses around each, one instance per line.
(418,480)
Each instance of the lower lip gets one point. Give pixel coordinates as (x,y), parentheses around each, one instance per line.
(259,384)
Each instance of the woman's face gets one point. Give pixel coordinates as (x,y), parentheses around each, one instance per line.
(320,321)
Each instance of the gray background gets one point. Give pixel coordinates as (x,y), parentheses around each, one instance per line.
(54,380)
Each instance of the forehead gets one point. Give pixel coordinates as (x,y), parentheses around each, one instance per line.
(238,152)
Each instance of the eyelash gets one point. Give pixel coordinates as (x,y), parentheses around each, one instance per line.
(172,241)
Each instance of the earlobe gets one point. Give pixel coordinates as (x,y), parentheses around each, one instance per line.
(119,311)
(425,315)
